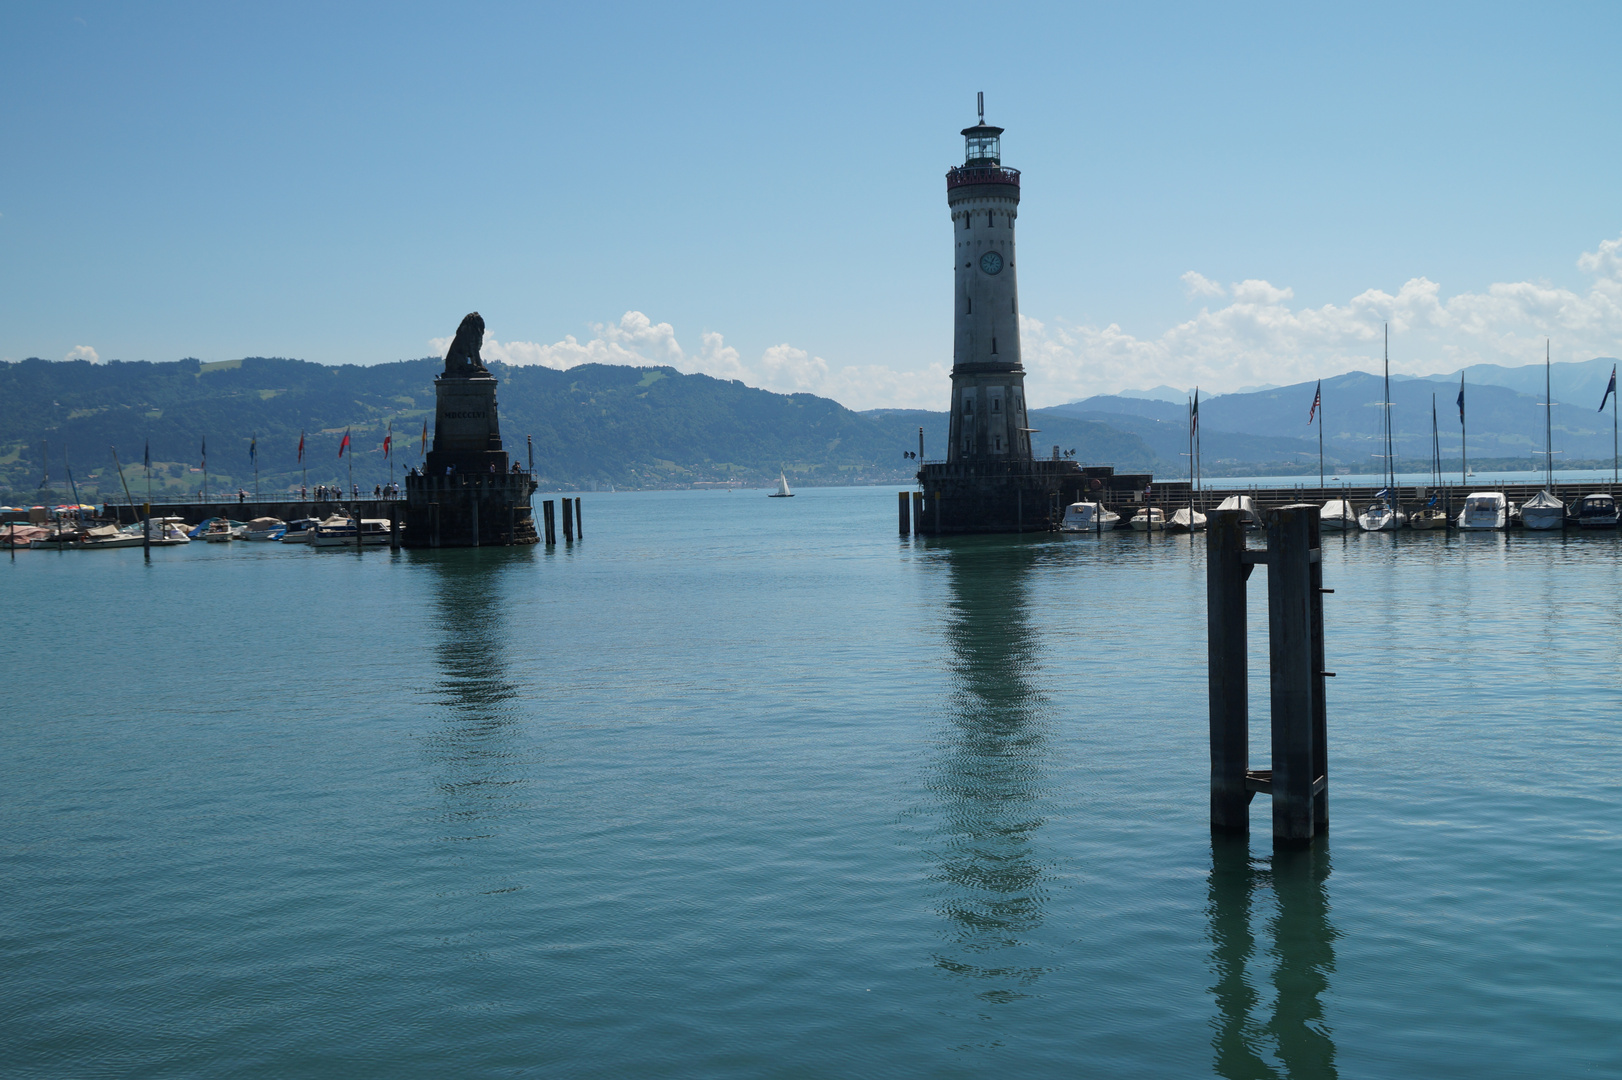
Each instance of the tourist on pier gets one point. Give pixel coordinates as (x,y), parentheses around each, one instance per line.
(377,491)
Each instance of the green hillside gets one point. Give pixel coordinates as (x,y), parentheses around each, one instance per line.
(594,424)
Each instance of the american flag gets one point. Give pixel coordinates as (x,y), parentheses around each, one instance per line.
(1317,399)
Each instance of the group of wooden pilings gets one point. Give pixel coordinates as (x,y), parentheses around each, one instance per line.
(574,523)
(912,509)
(1299,777)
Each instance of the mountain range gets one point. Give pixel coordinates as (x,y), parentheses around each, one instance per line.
(638,427)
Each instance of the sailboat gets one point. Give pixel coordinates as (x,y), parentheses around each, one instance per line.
(1187,519)
(1432,516)
(782,491)
(1543,511)
(1385,513)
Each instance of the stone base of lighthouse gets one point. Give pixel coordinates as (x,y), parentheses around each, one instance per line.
(1011,496)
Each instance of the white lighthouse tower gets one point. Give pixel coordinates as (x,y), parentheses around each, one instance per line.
(988,384)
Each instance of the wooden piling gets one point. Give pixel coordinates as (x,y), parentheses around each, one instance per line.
(1229,685)
(579,522)
(394,527)
(1320,704)
(568,520)
(904,509)
(918,513)
(547,512)
(1290,653)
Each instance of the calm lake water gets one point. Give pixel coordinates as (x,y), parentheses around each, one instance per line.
(743,788)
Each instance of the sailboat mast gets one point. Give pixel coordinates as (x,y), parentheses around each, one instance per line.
(1548,422)
(1390,462)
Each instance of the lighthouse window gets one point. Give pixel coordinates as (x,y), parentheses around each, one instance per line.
(993,346)
(996,404)
(968,306)
(999,443)
(968,406)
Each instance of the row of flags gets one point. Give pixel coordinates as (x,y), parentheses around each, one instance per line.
(1317,399)
(344,444)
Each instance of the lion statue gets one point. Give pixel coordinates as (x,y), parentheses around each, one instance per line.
(463,356)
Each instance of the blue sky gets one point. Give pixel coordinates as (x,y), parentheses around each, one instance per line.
(1217,194)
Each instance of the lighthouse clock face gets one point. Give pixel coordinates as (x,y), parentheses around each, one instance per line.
(991,262)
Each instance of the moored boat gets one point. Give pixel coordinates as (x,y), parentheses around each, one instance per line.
(1543,512)
(1597,511)
(300,530)
(1149,519)
(219,531)
(1246,508)
(336,531)
(1337,515)
(1428,517)
(265,528)
(1186,519)
(1383,514)
(1484,511)
(1088,517)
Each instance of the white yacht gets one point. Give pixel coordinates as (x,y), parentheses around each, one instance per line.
(1383,515)
(1088,517)
(1484,511)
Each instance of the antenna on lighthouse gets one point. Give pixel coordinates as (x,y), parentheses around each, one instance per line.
(980,100)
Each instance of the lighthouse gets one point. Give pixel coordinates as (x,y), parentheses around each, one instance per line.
(989,480)
(988,384)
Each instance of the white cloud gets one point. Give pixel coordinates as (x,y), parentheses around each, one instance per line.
(639,341)
(83,352)
(1258,337)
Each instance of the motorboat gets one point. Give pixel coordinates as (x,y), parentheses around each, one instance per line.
(1543,512)
(1088,517)
(1149,519)
(265,528)
(1337,515)
(336,531)
(109,536)
(1186,519)
(300,530)
(1246,507)
(219,531)
(339,531)
(1597,511)
(1484,511)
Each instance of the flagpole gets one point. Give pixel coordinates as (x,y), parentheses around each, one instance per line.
(1613,435)
(205,470)
(1464,454)
(255,445)
(1320,442)
(146,460)
(305,487)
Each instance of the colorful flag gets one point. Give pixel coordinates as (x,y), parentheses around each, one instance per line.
(1194,414)
(423,446)
(388,439)
(1461,399)
(1317,399)
(1609,389)
(301,446)
(253,449)
(343,444)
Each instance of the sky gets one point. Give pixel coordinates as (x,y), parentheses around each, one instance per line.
(1221,195)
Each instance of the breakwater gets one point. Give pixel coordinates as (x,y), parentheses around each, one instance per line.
(285,509)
